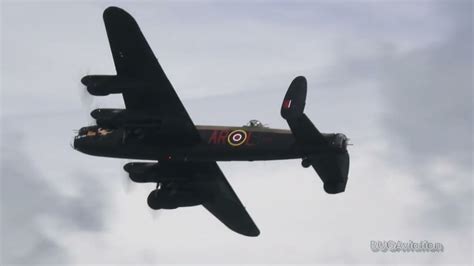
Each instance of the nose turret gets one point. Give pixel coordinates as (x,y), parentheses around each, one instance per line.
(90,139)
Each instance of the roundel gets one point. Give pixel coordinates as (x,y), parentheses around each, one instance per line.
(237,137)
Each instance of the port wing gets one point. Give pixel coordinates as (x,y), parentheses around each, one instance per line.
(149,90)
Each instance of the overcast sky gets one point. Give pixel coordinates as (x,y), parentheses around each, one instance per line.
(394,76)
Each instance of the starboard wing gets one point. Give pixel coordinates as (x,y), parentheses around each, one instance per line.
(215,194)
(224,203)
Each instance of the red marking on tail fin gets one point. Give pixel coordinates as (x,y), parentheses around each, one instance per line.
(287,104)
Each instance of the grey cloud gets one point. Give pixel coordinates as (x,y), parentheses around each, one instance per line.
(429,100)
(429,94)
(426,115)
(31,208)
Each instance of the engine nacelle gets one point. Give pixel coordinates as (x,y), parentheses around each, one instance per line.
(142,172)
(154,172)
(101,85)
(125,118)
(173,198)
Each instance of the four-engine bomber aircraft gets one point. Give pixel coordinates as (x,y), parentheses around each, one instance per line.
(155,126)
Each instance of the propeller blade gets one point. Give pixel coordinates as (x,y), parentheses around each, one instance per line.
(86,98)
(155,214)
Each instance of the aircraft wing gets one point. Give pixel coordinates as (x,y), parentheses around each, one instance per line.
(134,61)
(216,194)
(224,203)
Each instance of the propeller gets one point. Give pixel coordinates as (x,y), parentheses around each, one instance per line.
(348,143)
(155,214)
(129,186)
(87,100)
(71,143)
(127,183)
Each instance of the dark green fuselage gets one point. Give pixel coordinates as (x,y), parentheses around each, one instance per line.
(218,143)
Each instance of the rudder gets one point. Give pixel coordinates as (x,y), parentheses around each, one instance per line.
(295,99)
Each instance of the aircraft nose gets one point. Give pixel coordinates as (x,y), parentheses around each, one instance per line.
(78,143)
(74,142)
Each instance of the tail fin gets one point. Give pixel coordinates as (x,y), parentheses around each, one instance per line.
(292,110)
(332,167)
(295,99)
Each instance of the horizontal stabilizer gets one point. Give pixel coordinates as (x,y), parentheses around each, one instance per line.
(333,169)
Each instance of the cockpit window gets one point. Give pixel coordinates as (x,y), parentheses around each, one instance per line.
(254,123)
(103,131)
(93,131)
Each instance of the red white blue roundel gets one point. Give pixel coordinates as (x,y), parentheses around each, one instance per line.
(237,137)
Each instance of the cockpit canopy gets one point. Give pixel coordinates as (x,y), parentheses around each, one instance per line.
(254,123)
